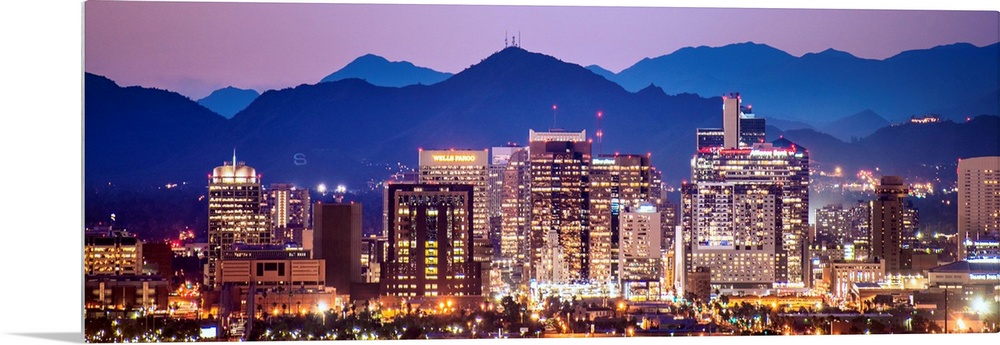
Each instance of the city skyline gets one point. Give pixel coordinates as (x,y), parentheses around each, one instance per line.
(51,284)
(266,46)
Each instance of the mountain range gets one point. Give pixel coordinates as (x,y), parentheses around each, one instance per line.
(228,101)
(955,81)
(350,131)
(379,71)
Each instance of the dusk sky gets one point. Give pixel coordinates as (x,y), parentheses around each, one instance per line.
(194,48)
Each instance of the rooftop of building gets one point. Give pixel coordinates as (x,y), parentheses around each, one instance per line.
(970,266)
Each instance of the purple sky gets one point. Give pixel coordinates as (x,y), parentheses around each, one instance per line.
(194,48)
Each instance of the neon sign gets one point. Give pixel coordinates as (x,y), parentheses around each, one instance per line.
(454,158)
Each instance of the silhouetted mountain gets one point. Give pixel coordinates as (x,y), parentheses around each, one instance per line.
(787,125)
(228,101)
(601,71)
(142,135)
(856,126)
(908,149)
(955,80)
(337,126)
(350,131)
(379,71)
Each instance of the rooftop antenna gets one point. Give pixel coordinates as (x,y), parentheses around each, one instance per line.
(505,38)
(513,41)
(554,116)
(519,35)
(600,132)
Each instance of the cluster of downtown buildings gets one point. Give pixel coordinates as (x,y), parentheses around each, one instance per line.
(557,218)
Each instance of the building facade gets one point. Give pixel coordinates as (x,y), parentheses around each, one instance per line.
(467,167)
(337,240)
(430,242)
(515,221)
(560,242)
(887,226)
(288,208)
(616,182)
(978,205)
(234,212)
(640,255)
(735,229)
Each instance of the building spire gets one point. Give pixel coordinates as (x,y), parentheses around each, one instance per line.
(234,157)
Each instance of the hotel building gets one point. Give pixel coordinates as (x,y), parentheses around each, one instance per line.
(979,207)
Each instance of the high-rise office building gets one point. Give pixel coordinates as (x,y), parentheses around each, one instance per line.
(710,137)
(978,207)
(735,229)
(616,181)
(560,212)
(887,222)
(468,167)
(430,241)
(515,222)
(752,129)
(288,207)
(234,214)
(337,239)
(639,251)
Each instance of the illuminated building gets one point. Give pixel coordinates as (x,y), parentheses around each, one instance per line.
(735,229)
(832,224)
(234,200)
(288,209)
(842,275)
(111,252)
(710,137)
(271,279)
(515,221)
(639,255)
(616,181)
(978,207)
(780,163)
(373,254)
(337,239)
(560,212)
(887,223)
(124,293)
(752,129)
(430,242)
(270,266)
(468,167)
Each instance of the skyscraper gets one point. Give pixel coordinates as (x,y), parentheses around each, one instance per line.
(616,181)
(467,167)
(978,207)
(639,251)
(430,241)
(735,229)
(560,212)
(781,163)
(234,214)
(515,222)
(887,222)
(288,208)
